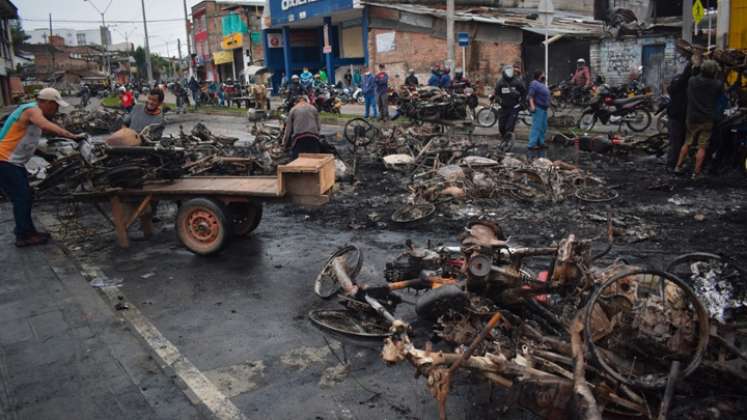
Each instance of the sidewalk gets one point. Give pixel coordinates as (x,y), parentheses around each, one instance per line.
(64,354)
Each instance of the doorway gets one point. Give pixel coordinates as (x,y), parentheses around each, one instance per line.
(653,66)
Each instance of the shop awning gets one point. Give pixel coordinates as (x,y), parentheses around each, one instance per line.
(255,70)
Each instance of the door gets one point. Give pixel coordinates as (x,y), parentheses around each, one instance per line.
(653,67)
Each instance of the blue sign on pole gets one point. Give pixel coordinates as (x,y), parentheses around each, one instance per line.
(463,38)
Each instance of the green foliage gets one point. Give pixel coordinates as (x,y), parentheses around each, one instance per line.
(17,35)
(160,65)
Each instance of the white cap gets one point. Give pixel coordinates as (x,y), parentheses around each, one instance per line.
(51,94)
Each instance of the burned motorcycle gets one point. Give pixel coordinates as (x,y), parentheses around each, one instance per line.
(633,112)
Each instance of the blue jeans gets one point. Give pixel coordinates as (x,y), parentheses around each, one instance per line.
(14,183)
(371,104)
(539,129)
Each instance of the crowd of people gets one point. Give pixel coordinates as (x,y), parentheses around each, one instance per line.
(699,99)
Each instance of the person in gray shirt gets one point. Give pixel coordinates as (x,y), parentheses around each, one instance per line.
(302,129)
(143,115)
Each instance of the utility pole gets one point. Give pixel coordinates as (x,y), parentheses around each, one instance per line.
(189,41)
(148,67)
(450,33)
(179,49)
(687,20)
(49,40)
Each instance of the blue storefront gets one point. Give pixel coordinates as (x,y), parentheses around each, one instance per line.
(301,29)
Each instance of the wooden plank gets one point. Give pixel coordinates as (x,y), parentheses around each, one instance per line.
(307,162)
(236,186)
(139,210)
(119,217)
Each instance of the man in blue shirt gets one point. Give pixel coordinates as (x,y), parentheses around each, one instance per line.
(382,92)
(539,102)
(369,94)
(435,79)
(446,79)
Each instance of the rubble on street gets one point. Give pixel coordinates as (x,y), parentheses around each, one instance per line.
(586,335)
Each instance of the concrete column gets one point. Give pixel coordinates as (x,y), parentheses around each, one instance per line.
(287,53)
(365,36)
(722,24)
(687,20)
(328,57)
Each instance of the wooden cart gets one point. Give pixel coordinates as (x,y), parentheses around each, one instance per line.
(213,208)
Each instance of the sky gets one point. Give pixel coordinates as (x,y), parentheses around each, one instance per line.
(165,19)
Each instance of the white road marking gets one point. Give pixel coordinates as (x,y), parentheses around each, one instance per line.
(196,386)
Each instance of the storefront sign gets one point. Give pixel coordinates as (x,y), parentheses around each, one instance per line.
(223,57)
(275,40)
(285,11)
(232,41)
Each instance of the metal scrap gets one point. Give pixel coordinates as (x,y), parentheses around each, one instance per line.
(606,334)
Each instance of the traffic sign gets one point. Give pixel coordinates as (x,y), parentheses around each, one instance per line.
(698,11)
(463,38)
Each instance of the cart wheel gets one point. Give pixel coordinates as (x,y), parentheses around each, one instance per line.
(201,226)
(245,217)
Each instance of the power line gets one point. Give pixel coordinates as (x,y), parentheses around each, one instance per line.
(98,21)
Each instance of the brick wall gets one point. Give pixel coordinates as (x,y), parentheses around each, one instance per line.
(420,51)
(616,59)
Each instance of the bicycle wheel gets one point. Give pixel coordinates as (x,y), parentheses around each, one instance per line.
(487,117)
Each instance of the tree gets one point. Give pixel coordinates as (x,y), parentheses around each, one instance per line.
(160,65)
(17,34)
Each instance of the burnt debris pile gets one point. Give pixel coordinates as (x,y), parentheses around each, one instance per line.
(565,329)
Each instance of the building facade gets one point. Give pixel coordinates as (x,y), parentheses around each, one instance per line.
(412,35)
(52,60)
(72,37)
(8,11)
(222,53)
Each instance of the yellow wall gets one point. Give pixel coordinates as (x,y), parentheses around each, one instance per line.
(738,24)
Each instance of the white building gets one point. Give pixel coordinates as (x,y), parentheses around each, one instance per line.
(73,37)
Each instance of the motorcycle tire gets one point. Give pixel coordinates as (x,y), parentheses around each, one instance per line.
(587,121)
(361,100)
(434,303)
(662,123)
(487,117)
(639,115)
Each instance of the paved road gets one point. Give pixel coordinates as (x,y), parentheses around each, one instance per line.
(64,354)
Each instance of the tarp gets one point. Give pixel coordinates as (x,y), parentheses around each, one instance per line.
(232,24)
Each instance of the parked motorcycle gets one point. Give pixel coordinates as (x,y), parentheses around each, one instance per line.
(661,114)
(633,112)
(325,100)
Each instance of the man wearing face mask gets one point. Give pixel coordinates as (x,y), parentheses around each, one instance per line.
(509,93)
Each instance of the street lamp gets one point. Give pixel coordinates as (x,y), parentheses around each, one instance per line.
(546,12)
(104,33)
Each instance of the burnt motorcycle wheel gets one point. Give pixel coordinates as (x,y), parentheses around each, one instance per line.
(638,120)
(587,121)
(437,302)
(487,117)
(244,217)
(202,226)
(639,296)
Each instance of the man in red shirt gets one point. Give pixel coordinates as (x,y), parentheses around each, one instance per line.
(582,77)
(127,99)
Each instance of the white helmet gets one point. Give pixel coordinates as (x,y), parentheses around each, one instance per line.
(580,61)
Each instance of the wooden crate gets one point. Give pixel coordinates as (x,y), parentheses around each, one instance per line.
(308,178)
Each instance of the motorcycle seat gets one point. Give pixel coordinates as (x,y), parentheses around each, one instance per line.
(631,100)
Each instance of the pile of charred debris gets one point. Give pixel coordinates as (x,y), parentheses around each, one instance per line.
(568,331)
(448,166)
(66,168)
